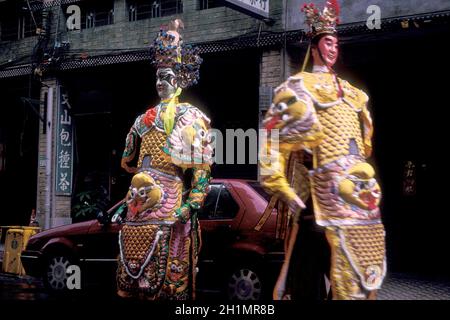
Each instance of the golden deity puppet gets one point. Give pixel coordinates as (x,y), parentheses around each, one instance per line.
(160,239)
(323,116)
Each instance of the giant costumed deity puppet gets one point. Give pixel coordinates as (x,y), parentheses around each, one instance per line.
(325,116)
(160,239)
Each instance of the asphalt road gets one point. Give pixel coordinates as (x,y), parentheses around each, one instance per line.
(410,287)
(396,287)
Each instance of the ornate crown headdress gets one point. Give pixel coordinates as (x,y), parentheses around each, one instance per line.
(321,22)
(170,52)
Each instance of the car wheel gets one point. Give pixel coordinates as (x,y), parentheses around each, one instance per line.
(244,284)
(55,276)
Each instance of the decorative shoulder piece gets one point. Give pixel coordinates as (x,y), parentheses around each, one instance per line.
(190,143)
(293,113)
(140,125)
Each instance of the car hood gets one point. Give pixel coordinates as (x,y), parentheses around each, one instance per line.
(66,230)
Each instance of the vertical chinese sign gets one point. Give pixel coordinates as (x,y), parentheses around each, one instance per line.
(64,146)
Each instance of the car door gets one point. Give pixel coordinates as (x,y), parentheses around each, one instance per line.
(101,250)
(219,218)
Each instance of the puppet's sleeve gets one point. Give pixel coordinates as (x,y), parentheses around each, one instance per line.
(190,147)
(130,150)
(292,124)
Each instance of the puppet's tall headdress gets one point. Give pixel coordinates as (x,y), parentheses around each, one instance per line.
(324,22)
(170,52)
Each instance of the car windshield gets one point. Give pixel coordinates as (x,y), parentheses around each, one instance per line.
(257,187)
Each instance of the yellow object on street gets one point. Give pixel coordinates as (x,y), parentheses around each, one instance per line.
(16,239)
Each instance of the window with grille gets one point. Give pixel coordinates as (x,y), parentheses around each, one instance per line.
(95,13)
(209,4)
(145,9)
(30,26)
(171,7)
(16,24)
(9,28)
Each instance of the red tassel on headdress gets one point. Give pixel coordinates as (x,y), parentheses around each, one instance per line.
(335,5)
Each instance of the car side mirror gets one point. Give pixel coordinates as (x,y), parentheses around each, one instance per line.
(102,218)
(120,214)
(117,218)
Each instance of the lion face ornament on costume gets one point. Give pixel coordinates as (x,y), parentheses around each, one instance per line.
(177,276)
(286,110)
(360,187)
(178,270)
(144,193)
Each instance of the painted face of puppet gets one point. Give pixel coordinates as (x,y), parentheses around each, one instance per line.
(166,83)
(328,46)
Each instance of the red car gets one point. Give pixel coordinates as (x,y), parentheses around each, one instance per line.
(235,260)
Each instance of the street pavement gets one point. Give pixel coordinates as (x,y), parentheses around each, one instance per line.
(14,287)
(396,287)
(410,287)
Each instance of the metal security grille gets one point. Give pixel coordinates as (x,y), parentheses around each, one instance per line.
(39,5)
(96,14)
(15,72)
(106,60)
(259,41)
(209,4)
(145,9)
(171,7)
(17,23)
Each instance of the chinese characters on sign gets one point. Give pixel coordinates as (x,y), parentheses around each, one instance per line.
(64,146)
(258,8)
(409,179)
